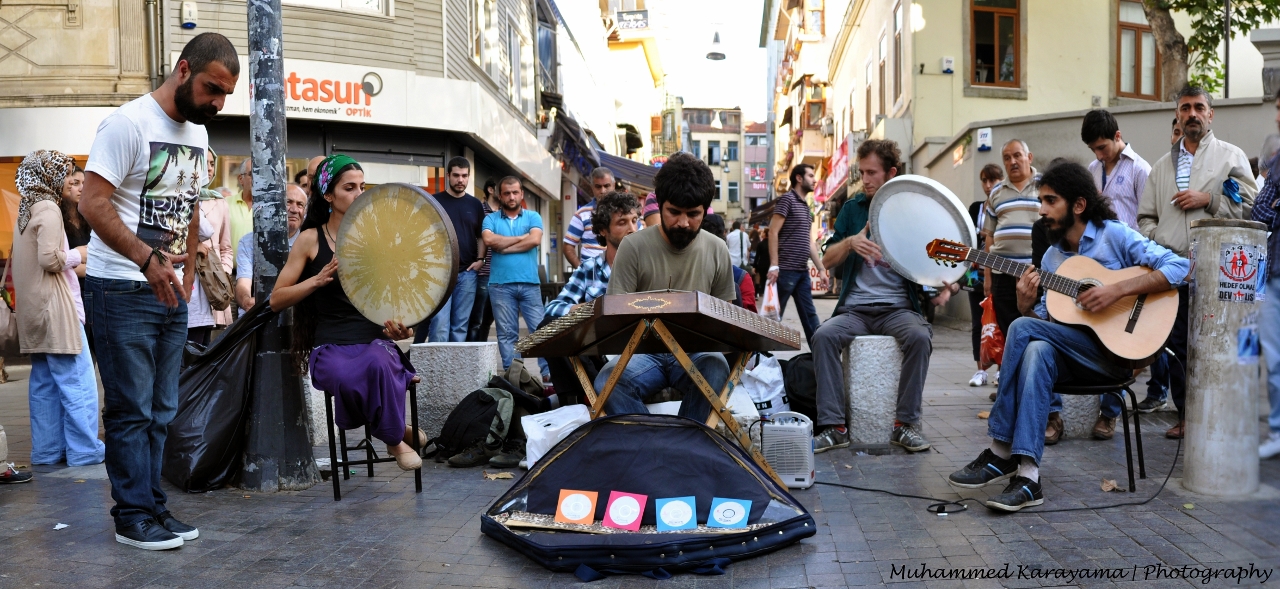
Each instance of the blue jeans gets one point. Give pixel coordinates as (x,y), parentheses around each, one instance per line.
(1158,384)
(510,302)
(63,396)
(1269,333)
(649,373)
(139,344)
(1038,355)
(478,309)
(450,322)
(796,283)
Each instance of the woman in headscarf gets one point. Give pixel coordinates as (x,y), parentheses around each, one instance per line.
(350,357)
(215,242)
(63,393)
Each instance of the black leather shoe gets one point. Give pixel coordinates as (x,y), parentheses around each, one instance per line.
(147,534)
(1021,492)
(179,529)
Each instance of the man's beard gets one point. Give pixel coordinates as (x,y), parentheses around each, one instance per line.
(459,188)
(511,208)
(680,238)
(1194,134)
(184,99)
(1060,227)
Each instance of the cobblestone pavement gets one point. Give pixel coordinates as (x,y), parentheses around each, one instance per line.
(383,535)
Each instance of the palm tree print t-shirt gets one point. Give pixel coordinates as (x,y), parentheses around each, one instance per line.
(158,167)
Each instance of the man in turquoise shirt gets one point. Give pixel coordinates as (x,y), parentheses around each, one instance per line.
(514,234)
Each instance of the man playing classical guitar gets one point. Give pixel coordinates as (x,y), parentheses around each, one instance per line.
(1039,353)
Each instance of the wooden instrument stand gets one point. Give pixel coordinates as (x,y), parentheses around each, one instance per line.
(719,411)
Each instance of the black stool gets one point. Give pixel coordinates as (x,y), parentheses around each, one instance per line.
(371,455)
(1116,388)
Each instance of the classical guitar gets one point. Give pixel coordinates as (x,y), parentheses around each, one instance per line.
(1133,329)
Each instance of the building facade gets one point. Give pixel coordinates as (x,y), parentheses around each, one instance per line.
(401,85)
(716,137)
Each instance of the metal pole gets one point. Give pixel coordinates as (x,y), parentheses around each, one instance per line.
(1226,48)
(278,448)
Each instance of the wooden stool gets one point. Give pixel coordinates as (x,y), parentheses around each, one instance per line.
(371,455)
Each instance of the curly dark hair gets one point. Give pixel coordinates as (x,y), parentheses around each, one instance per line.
(304,313)
(614,203)
(888,152)
(684,181)
(1072,182)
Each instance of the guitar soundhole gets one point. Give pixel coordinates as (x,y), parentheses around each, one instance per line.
(1085,285)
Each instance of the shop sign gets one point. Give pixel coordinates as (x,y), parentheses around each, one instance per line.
(333,92)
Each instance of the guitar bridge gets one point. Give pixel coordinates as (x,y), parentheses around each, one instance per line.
(1133,315)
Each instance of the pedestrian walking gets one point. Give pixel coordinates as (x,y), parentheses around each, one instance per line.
(514,233)
(467,214)
(63,390)
(739,246)
(142,184)
(989,176)
(77,238)
(791,247)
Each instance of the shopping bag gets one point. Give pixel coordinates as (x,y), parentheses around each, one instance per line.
(770,308)
(765,385)
(544,430)
(992,337)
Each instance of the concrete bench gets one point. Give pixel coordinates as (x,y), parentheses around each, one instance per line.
(872,364)
(449,372)
(1079,413)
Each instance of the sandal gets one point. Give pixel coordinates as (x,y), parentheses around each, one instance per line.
(1053,431)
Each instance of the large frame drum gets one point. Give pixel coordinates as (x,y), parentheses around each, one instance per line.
(397,254)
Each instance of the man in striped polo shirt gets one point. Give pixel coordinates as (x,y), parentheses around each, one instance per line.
(580,230)
(1201,177)
(791,246)
(1012,207)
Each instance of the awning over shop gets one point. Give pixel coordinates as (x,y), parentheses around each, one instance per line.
(786,118)
(762,213)
(572,146)
(632,172)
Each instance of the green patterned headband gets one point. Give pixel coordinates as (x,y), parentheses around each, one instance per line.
(327,171)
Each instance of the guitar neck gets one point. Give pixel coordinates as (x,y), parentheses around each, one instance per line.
(1048,280)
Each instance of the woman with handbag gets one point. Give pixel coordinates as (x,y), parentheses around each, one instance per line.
(63,392)
(210,304)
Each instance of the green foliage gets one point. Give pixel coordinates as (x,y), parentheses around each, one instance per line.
(1207,32)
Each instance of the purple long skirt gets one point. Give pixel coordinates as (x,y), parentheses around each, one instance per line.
(368,383)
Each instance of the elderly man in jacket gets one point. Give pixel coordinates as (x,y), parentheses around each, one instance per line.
(1201,177)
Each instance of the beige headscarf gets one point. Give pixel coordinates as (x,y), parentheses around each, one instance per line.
(40,177)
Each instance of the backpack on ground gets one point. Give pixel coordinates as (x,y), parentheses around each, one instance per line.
(801,385)
(484,414)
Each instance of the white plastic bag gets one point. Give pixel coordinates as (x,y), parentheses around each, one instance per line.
(765,385)
(770,308)
(545,430)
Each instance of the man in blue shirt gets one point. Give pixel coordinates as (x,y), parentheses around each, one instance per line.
(514,233)
(1079,221)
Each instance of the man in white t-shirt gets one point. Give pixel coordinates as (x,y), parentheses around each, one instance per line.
(739,246)
(142,183)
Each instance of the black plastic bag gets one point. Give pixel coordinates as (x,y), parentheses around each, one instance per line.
(206,437)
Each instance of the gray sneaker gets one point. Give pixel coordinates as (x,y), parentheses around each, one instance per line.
(907,437)
(830,439)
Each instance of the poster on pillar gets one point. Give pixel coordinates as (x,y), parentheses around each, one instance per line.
(332,92)
(1239,266)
